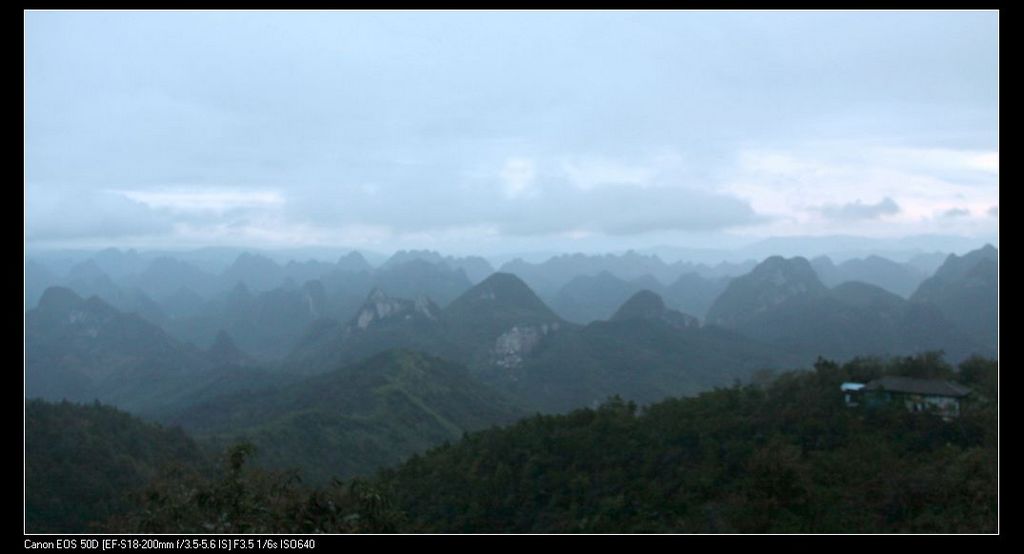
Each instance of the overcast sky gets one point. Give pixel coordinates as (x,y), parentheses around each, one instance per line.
(507,131)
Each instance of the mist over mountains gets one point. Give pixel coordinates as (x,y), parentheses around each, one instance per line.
(443,271)
(117,309)
(341,368)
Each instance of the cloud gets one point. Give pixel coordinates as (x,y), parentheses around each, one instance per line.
(956,212)
(271,231)
(364,124)
(950,163)
(993,211)
(543,201)
(624,211)
(590,173)
(163,215)
(60,213)
(857,210)
(842,186)
(518,175)
(209,200)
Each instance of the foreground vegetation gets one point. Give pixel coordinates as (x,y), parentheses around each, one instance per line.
(786,457)
(781,455)
(81,462)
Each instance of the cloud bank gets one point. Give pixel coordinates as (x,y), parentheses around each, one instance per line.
(857,210)
(334,127)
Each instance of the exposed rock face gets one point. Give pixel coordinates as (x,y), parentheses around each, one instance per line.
(424,306)
(379,307)
(315,297)
(498,324)
(512,346)
(494,328)
(86,323)
(89,318)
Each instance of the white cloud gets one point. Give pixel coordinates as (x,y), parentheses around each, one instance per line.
(565,109)
(621,211)
(214,200)
(940,160)
(590,173)
(662,167)
(277,232)
(60,213)
(805,188)
(518,176)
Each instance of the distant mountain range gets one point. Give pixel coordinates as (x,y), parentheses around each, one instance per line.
(548,277)
(489,325)
(577,286)
(837,247)
(511,340)
(593,298)
(265,306)
(84,350)
(902,279)
(475,268)
(646,352)
(966,290)
(265,325)
(783,302)
(356,367)
(506,335)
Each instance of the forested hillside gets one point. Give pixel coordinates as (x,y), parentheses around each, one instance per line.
(789,457)
(83,463)
(704,434)
(354,420)
(784,456)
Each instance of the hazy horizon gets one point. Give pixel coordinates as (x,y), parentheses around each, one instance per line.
(591,296)
(509,132)
(838,249)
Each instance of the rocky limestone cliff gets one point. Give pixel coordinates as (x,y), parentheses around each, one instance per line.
(512,346)
(380,307)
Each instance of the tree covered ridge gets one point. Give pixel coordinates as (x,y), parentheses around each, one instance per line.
(785,455)
(241,498)
(354,420)
(83,462)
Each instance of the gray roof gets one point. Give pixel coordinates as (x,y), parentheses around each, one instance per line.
(910,385)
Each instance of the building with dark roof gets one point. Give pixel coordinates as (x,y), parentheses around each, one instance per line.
(918,395)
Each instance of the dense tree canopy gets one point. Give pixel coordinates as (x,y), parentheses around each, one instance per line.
(783,456)
(82,462)
(787,457)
